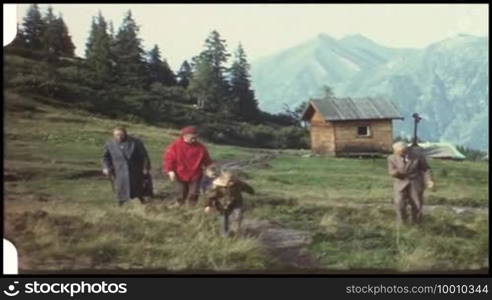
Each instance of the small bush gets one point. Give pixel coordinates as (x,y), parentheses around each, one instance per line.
(25,52)
(471,154)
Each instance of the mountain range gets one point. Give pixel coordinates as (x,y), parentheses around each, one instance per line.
(446,82)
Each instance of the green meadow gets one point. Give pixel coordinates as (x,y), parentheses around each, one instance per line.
(61,213)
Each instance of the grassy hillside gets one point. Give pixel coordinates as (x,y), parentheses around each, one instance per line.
(61,213)
(345,203)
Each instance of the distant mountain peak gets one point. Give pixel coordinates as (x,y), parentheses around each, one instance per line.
(355,36)
(464,35)
(323,35)
(457,40)
(326,38)
(358,38)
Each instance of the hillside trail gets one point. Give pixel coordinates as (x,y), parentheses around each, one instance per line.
(287,245)
(284,245)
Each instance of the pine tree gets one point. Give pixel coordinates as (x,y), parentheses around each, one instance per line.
(33,28)
(327,92)
(193,63)
(91,40)
(111,30)
(129,54)
(56,40)
(112,44)
(19,40)
(208,84)
(204,87)
(158,69)
(50,17)
(215,54)
(98,49)
(184,74)
(67,46)
(51,40)
(245,103)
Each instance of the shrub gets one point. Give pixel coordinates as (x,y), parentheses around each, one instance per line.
(471,154)
(25,52)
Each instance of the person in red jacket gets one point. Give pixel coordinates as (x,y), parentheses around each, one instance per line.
(184,161)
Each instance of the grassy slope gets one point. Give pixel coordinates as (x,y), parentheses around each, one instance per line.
(61,214)
(345,203)
(52,159)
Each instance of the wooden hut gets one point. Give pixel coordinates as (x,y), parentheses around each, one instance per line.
(345,126)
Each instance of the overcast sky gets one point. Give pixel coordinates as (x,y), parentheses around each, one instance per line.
(180,29)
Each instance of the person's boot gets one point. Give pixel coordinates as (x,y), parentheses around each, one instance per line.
(178,203)
(417,220)
(192,200)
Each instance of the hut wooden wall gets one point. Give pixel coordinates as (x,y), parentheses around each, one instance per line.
(322,135)
(347,140)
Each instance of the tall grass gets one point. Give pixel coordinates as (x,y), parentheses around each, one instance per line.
(62,215)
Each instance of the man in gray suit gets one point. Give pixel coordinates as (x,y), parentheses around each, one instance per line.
(411,175)
(126,158)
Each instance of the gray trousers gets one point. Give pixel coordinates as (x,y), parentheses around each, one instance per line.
(409,196)
(231,221)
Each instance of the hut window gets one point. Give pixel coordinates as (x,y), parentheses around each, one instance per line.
(363,131)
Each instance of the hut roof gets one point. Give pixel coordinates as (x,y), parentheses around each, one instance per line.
(441,150)
(344,109)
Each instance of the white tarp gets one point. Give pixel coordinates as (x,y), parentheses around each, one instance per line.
(441,150)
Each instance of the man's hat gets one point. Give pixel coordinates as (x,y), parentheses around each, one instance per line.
(188,130)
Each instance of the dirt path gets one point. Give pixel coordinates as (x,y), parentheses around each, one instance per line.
(287,246)
(284,245)
(259,160)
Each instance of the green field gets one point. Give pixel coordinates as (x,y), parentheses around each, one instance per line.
(61,213)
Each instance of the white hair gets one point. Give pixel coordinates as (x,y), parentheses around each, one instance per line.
(399,146)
